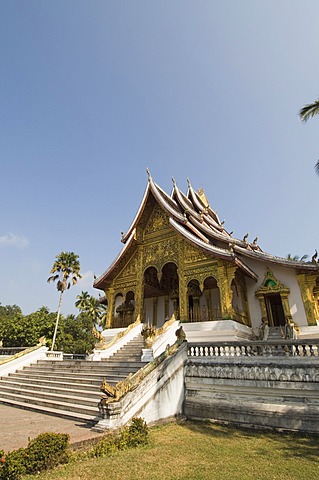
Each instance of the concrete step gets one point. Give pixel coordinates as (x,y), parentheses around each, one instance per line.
(81,394)
(74,372)
(40,382)
(73,397)
(88,378)
(69,388)
(32,400)
(81,417)
(89,366)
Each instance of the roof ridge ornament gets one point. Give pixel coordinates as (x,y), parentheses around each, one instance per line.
(174,182)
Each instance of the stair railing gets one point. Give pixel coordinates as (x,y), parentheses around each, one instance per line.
(117,342)
(159,338)
(22,359)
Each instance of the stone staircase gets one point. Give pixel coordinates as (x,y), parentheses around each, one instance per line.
(69,388)
(275,333)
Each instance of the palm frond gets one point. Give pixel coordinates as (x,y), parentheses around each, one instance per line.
(309,111)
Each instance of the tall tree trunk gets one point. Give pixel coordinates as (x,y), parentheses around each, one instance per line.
(57,321)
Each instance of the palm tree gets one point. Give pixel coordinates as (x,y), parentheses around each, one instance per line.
(96,311)
(90,305)
(66,270)
(309,111)
(82,301)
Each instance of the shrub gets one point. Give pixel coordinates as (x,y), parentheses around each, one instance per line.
(14,465)
(134,435)
(105,447)
(137,433)
(45,451)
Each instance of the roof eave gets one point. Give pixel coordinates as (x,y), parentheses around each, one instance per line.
(99,282)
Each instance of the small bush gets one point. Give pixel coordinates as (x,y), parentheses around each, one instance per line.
(45,451)
(14,465)
(134,435)
(137,433)
(105,447)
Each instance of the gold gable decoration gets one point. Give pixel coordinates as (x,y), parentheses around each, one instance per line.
(193,254)
(158,221)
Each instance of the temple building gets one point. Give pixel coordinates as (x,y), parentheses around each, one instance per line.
(179,259)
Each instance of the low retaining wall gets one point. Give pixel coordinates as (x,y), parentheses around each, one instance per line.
(254,389)
(158,396)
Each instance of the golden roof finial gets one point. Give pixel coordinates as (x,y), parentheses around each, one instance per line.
(148,173)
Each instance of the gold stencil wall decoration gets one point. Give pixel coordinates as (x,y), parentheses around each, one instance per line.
(193,254)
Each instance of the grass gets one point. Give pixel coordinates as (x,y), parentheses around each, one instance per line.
(203,451)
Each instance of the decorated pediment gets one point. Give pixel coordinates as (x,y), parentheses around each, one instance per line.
(159,220)
(130,268)
(271,284)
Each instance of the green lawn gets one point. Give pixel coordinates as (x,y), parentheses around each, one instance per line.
(204,451)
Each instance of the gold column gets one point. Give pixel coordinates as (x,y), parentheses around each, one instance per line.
(110,306)
(261,298)
(182,283)
(139,300)
(285,305)
(226,273)
(307,282)
(245,303)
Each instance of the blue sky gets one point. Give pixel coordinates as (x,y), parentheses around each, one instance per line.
(93,92)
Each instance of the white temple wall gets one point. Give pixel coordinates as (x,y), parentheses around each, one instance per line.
(288,278)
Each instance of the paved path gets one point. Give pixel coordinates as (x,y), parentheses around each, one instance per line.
(18,426)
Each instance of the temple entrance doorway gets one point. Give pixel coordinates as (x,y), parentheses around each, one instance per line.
(275,310)
(203,305)
(161,294)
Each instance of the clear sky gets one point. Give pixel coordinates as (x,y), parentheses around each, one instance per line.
(93,92)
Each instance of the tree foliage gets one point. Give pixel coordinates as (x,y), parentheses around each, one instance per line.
(74,334)
(66,272)
(91,306)
(307,112)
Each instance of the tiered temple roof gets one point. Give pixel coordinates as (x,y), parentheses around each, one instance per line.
(192,217)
